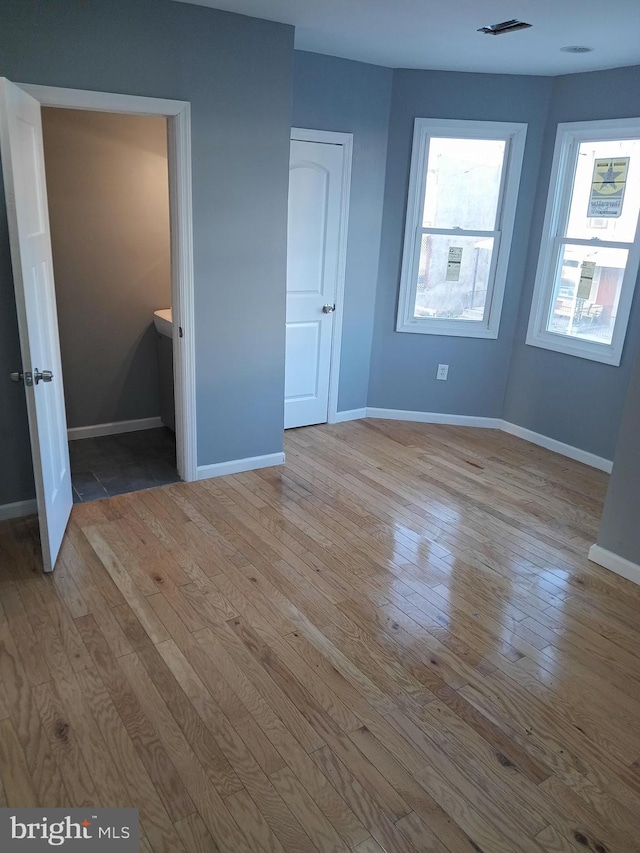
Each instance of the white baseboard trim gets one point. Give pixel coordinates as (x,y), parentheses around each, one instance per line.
(348,415)
(237,466)
(558,447)
(486,423)
(18,509)
(434,418)
(114,428)
(615,563)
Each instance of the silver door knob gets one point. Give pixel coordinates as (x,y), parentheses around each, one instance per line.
(26,377)
(44,375)
(328,309)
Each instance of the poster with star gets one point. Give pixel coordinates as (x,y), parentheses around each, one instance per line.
(607,188)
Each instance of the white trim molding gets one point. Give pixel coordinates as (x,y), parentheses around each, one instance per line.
(434,418)
(237,466)
(349,415)
(552,444)
(178,115)
(346,141)
(615,563)
(114,428)
(425,129)
(18,509)
(555,237)
(560,447)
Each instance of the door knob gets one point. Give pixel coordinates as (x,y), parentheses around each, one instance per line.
(328,309)
(29,378)
(26,377)
(44,375)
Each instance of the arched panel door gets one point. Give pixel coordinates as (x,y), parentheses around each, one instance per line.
(315,187)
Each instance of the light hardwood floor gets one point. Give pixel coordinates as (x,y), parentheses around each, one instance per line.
(394,642)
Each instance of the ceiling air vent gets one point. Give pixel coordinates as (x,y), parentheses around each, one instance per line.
(504,27)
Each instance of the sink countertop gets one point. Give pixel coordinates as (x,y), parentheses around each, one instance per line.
(163,321)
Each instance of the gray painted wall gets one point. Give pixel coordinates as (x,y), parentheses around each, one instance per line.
(352,97)
(620,526)
(404,365)
(572,399)
(108,191)
(236,72)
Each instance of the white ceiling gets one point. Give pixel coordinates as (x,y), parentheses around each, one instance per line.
(442,35)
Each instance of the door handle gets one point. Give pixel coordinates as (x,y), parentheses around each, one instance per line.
(31,378)
(25,377)
(328,309)
(44,376)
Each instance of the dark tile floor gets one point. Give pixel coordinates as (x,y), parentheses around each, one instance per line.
(115,464)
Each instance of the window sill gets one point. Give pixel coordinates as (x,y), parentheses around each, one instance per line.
(603,353)
(449,328)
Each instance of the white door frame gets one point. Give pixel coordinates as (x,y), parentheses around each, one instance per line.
(346,141)
(178,117)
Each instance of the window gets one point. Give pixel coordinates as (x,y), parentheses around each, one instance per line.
(463,190)
(589,254)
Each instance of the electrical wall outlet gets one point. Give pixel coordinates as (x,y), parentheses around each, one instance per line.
(443,371)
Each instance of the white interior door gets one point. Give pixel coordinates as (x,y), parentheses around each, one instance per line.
(28,217)
(315,197)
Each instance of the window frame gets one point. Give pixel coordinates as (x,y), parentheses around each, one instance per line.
(569,136)
(514,135)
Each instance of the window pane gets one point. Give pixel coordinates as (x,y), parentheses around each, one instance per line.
(586,293)
(453,276)
(606,199)
(463,183)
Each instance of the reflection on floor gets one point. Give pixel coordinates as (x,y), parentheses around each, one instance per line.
(115,464)
(394,642)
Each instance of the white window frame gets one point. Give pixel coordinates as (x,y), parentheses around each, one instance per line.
(568,138)
(424,128)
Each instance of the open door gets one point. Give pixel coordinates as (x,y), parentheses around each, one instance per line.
(28,216)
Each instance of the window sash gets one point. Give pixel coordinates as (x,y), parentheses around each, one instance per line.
(568,140)
(424,130)
(455,232)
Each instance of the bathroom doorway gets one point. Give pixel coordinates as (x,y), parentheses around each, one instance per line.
(30,241)
(108,198)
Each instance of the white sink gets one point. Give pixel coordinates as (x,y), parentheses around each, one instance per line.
(163,321)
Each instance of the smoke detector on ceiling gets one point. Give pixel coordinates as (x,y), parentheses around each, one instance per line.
(576,48)
(504,27)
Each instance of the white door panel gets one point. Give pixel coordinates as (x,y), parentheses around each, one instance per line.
(28,219)
(303,360)
(315,195)
(307,231)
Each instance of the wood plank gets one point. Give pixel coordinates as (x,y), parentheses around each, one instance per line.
(200,789)
(395,642)
(139,726)
(16,779)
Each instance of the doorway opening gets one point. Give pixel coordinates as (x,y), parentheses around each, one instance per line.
(108,199)
(23,165)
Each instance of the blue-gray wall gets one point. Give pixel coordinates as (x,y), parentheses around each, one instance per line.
(567,398)
(352,97)
(620,526)
(403,366)
(236,72)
